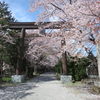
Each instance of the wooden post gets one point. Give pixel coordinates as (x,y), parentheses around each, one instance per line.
(64,59)
(21,52)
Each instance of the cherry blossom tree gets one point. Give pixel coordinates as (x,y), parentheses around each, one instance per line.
(82,14)
(81,22)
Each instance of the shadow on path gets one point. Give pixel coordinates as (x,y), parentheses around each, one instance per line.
(16,92)
(46,77)
(20,91)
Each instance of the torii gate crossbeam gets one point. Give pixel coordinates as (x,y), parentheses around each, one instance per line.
(33,25)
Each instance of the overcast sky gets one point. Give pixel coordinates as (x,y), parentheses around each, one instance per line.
(20,10)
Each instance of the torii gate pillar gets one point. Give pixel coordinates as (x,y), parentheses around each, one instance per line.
(21,52)
(64,59)
(65,78)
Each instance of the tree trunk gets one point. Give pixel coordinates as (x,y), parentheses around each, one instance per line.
(70,1)
(35,70)
(98,56)
(1,71)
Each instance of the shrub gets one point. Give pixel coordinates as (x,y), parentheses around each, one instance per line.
(57,68)
(6,79)
(76,67)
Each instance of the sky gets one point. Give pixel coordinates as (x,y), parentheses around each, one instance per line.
(20,10)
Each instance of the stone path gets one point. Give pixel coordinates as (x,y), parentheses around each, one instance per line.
(44,87)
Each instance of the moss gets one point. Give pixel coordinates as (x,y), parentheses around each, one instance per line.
(73,84)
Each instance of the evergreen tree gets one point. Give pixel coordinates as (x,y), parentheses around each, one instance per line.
(5,18)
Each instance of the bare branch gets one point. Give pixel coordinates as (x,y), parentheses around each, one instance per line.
(59,8)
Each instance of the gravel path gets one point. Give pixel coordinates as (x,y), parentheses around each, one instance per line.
(44,87)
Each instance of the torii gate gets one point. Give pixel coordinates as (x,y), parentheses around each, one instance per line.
(31,25)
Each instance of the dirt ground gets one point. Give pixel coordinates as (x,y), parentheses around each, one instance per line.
(84,90)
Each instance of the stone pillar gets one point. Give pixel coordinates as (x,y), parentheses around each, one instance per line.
(98,55)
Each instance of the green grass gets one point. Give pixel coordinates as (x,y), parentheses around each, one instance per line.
(6,79)
(73,84)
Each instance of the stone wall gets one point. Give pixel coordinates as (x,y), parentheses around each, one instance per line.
(92,71)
